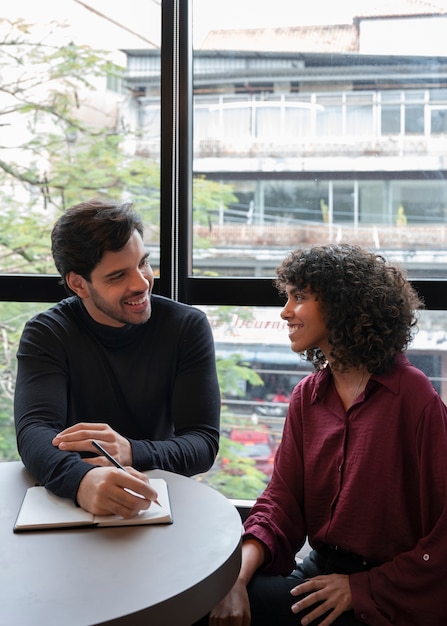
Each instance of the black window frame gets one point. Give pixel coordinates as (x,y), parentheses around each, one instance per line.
(176,280)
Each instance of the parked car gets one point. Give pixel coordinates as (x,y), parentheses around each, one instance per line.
(270,409)
(256,444)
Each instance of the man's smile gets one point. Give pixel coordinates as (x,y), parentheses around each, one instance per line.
(141,300)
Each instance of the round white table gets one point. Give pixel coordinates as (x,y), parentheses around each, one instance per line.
(159,575)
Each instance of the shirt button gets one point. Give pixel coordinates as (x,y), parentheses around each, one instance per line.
(426,557)
(363,615)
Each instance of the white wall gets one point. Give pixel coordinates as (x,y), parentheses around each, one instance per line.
(407,36)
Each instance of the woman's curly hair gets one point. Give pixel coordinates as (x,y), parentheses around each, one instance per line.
(369,307)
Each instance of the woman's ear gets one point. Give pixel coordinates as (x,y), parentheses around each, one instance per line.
(77,284)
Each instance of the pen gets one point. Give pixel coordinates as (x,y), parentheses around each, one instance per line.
(113,460)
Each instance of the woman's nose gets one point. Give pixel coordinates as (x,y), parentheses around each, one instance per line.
(285,312)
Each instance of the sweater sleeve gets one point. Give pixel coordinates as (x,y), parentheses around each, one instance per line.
(155,385)
(40,408)
(195,408)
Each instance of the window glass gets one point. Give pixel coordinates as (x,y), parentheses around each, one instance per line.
(298,117)
(13,316)
(438,111)
(391,119)
(330,116)
(360,114)
(258,372)
(322,132)
(414,119)
(78,121)
(303,133)
(438,121)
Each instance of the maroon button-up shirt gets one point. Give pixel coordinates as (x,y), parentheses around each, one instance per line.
(373,481)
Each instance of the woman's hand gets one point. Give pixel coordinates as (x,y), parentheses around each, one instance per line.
(332,593)
(234,609)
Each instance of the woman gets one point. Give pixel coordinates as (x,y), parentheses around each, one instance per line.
(361,468)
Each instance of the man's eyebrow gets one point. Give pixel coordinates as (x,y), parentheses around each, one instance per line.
(124,269)
(115,272)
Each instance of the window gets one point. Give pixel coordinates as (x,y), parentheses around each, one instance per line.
(391,113)
(252,144)
(338,148)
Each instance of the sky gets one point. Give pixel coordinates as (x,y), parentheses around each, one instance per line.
(143,16)
(142,20)
(220,14)
(244,13)
(140,17)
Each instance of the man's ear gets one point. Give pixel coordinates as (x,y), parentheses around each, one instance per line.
(77,284)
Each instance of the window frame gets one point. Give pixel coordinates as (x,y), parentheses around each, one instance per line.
(176,280)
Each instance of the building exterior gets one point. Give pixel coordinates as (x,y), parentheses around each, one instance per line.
(321,134)
(324,133)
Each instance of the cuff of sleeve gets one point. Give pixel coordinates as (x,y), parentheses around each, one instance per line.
(365,609)
(141,458)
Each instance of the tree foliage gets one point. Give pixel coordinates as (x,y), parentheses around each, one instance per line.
(61,144)
(58,148)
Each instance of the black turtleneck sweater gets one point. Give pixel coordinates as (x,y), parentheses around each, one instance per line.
(154,383)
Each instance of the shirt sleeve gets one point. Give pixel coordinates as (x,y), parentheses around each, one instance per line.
(410,589)
(277,518)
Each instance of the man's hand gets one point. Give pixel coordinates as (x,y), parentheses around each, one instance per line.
(332,591)
(110,491)
(78,438)
(234,609)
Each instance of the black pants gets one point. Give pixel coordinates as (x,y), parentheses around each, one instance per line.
(270,598)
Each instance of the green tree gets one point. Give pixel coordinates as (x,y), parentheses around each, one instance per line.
(232,473)
(51,158)
(12,317)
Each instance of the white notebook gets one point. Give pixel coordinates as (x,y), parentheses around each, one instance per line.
(42,510)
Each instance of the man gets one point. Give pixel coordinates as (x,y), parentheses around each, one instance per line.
(114,364)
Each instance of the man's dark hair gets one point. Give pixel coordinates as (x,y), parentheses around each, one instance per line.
(369,307)
(84,232)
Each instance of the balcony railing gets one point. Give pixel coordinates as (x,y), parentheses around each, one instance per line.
(432,149)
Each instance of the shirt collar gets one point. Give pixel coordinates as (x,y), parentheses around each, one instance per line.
(391,378)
